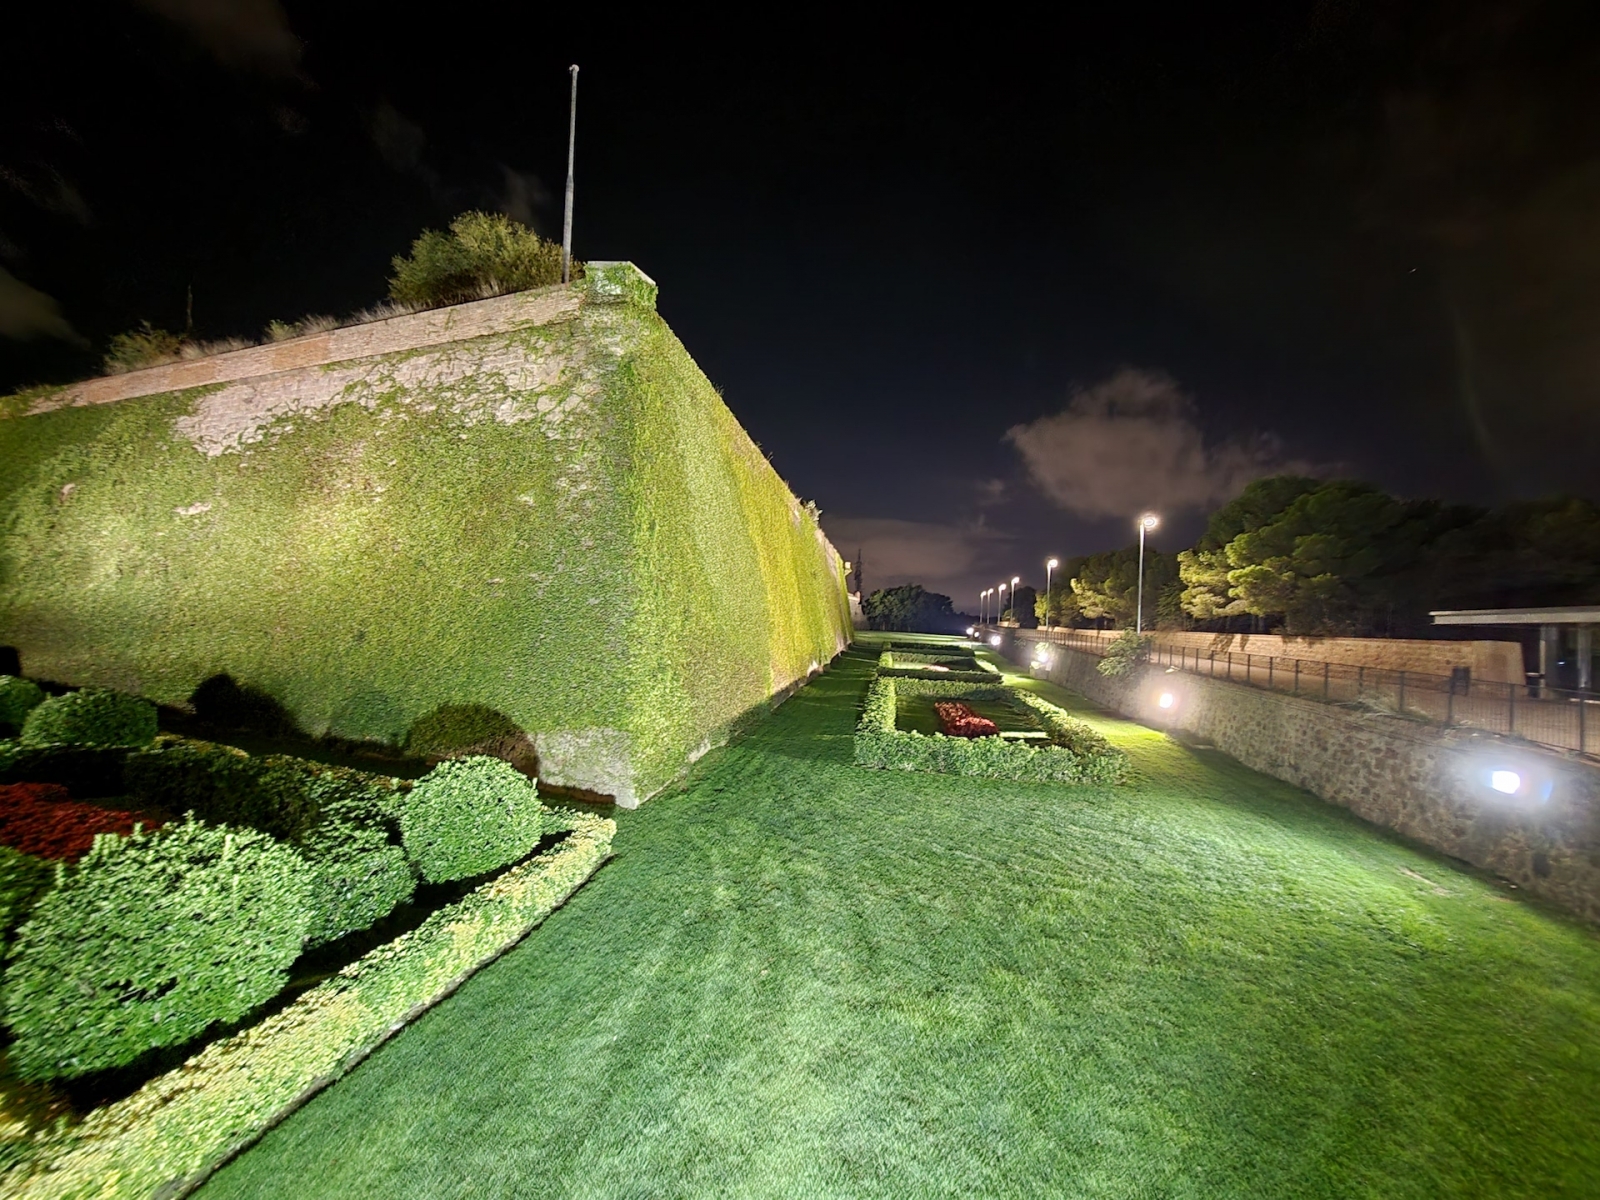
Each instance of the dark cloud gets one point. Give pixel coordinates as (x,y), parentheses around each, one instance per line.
(942,557)
(26,313)
(521,196)
(245,34)
(1132,442)
(46,188)
(399,140)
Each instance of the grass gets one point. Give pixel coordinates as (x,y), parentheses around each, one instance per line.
(799,978)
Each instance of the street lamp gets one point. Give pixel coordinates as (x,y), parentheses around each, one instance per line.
(1146,523)
(1000,605)
(1048,567)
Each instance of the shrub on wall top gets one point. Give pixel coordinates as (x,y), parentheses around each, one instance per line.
(484,254)
(149,940)
(18,698)
(91,716)
(468,816)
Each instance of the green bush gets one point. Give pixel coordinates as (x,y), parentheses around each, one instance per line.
(886,659)
(142,347)
(468,816)
(18,698)
(879,744)
(181,1126)
(147,941)
(341,821)
(91,716)
(484,254)
(1125,652)
(22,878)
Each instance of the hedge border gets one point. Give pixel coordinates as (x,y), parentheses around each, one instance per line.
(879,743)
(171,1135)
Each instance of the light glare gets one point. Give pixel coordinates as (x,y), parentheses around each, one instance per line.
(1508,782)
(994,639)
(1166,700)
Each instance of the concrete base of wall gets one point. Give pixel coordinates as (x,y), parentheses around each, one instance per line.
(1428,783)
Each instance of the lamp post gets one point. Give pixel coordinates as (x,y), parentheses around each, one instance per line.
(566,217)
(1000,606)
(1048,567)
(1146,523)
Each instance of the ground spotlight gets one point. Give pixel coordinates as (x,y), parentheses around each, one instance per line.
(1508,782)
(970,631)
(1166,700)
(994,639)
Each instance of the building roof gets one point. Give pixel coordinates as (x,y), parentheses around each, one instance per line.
(1577,614)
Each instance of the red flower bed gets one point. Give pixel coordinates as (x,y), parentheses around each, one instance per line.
(43,820)
(957,720)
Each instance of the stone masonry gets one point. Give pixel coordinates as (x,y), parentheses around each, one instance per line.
(1427,783)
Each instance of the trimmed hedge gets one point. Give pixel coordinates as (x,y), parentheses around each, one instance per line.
(167,1136)
(879,744)
(91,716)
(18,698)
(341,821)
(149,940)
(22,879)
(468,816)
(950,676)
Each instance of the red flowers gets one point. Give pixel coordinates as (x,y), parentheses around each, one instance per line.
(958,720)
(43,820)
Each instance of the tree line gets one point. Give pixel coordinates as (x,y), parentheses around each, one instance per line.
(1317,557)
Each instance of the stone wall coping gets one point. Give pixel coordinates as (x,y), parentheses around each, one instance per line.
(430,327)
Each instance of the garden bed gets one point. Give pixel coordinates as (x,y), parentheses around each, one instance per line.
(169,1135)
(1073,753)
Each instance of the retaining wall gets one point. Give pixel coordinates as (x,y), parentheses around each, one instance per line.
(1427,783)
(1490,661)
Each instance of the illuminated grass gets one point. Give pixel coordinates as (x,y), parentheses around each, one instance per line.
(801,978)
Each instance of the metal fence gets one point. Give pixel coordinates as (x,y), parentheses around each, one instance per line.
(1556,717)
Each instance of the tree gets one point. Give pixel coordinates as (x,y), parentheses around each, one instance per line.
(1344,557)
(1024,607)
(1059,606)
(1106,586)
(1204,570)
(909,608)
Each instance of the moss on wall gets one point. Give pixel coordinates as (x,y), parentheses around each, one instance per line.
(562,523)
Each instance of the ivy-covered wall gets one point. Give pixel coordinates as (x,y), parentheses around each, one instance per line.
(561,522)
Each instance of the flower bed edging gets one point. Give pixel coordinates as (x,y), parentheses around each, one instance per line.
(1076,755)
(171,1134)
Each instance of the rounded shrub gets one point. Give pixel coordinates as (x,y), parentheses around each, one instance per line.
(92,717)
(18,698)
(147,941)
(468,816)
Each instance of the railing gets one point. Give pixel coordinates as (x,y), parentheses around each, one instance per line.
(1557,717)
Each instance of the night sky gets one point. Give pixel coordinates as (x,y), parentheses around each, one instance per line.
(982,291)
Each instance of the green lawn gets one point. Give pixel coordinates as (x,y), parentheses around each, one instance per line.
(800,978)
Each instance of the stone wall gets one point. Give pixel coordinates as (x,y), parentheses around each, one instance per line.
(1490,661)
(1427,783)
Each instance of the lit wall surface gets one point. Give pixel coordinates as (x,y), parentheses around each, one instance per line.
(536,504)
